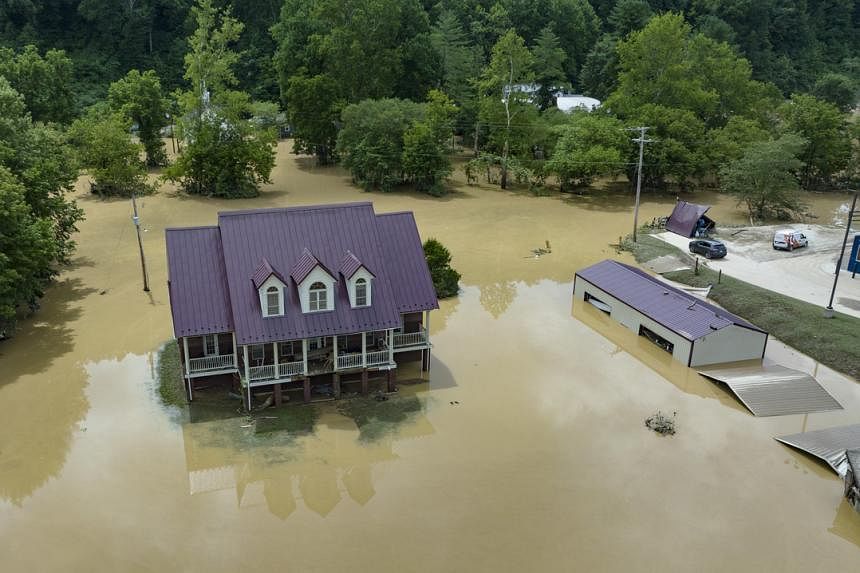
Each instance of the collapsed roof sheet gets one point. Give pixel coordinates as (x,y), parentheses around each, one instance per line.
(828,445)
(774,390)
(684,218)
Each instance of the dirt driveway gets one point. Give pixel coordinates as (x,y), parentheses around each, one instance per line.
(806,274)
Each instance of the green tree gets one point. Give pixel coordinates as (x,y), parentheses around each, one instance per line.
(825,129)
(28,252)
(510,67)
(314,113)
(549,61)
(445,278)
(589,146)
(225,154)
(599,74)
(424,162)
(838,89)
(108,153)
(43,82)
(138,97)
(629,15)
(764,178)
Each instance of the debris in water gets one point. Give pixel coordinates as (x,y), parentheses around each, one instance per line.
(663,425)
(380,397)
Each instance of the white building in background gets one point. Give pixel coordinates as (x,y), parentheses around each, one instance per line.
(569,102)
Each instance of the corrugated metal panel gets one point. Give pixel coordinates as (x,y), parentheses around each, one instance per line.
(684,218)
(406,265)
(829,444)
(680,312)
(775,390)
(350,264)
(199,300)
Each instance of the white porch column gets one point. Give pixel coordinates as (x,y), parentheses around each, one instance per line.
(391,346)
(305,356)
(235,352)
(363,349)
(427,326)
(187,359)
(275,349)
(247,374)
(334,346)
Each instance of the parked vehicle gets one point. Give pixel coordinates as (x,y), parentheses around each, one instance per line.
(789,239)
(708,248)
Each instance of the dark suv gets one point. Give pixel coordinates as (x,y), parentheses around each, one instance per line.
(709,248)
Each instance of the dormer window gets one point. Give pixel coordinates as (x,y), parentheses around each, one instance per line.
(361,292)
(273,301)
(318,299)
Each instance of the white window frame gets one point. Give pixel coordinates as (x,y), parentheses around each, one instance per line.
(314,298)
(317,342)
(258,353)
(206,339)
(283,345)
(263,292)
(361,284)
(270,292)
(362,274)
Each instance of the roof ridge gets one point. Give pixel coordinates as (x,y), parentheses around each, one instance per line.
(197,228)
(295,209)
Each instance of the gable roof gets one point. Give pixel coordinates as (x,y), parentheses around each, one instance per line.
(197,282)
(263,272)
(301,238)
(684,218)
(350,265)
(673,308)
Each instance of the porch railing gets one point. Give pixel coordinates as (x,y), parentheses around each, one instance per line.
(376,358)
(410,339)
(207,363)
(349,361)
(290,369)
(266,372)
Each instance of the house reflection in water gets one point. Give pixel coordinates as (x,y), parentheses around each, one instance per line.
(317,469)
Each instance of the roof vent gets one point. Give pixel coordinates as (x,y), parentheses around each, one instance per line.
(665,292)
(714,326)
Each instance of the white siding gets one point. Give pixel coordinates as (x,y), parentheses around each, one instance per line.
(272,281)
(728,344)
(633,319)
(316,275)
(361,273)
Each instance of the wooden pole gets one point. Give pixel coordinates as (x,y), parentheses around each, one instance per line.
(136,220)
(829,308)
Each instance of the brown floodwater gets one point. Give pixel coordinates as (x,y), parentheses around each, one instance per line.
(529,451)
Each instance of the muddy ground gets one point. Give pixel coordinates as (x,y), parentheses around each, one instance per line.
(529,451)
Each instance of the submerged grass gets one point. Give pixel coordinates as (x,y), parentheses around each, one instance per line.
(830,341)
(377,418)
(170,387)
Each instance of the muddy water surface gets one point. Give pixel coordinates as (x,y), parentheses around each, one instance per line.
(529,452)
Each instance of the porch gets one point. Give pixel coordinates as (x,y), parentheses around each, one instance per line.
(209,355)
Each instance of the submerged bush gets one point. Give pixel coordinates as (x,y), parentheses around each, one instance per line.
(445,279)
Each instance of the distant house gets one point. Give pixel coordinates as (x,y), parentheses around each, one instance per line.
(568,103)
(693,331)
(301,299)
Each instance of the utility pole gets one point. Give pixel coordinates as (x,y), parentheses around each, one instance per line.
(828,312)
(136,220)
(641,141)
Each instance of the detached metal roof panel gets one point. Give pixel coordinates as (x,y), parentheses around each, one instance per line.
(684,218)
(679,311)
(774,390)
(197,282)
(829,445)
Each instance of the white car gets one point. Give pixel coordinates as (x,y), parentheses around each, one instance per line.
(789,239)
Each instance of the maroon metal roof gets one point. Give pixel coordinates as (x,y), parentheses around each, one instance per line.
(197,282)
(204,293)
(684,218)
(679,311)
(350,265)
(264,271)
(406,266)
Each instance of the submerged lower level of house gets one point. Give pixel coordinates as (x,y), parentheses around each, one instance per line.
(309,369)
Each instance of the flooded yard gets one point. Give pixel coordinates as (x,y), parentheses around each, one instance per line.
(525,450)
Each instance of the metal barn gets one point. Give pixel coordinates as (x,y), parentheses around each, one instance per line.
(695,332)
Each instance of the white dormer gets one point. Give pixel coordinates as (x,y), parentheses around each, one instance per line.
(360,287)
(272,293)
(316,291)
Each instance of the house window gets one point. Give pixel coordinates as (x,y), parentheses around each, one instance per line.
(273,301)
(258,354)
(210,345)
(318,297)
(361,292)
(316,343)
(286,349)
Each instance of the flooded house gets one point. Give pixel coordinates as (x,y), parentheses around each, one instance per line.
(692,330)
(300,302)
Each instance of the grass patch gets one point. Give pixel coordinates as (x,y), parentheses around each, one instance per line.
(376,419)
(801,325)
(295,420)
(170,387)
(649,248)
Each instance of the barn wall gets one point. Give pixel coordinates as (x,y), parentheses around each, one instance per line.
(632,318)
(728,344)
